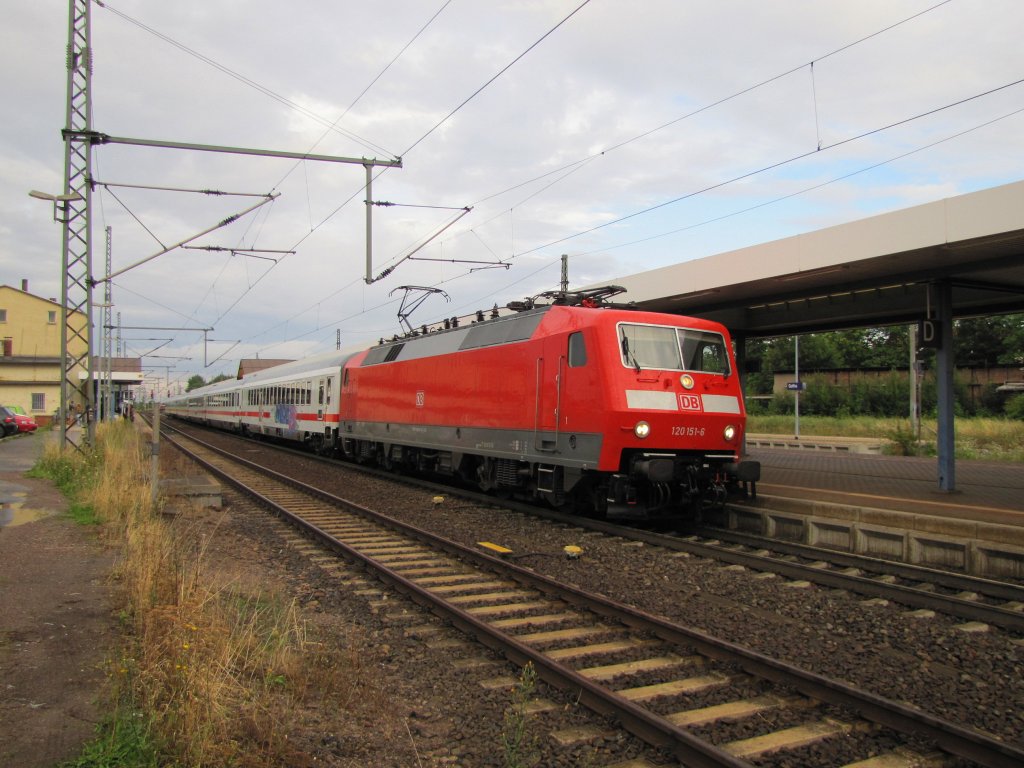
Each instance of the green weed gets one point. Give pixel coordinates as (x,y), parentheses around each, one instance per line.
(125,740)
(521,749)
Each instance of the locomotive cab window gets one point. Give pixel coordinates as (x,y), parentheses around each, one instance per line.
(703,351)
(672,349)
(577,350)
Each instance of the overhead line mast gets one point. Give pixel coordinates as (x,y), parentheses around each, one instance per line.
(75,207)
(76,248)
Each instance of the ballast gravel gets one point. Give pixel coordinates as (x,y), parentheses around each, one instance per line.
(973,679)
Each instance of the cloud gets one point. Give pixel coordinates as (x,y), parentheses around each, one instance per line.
(638,105)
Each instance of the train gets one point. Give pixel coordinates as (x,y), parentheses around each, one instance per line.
(571,399)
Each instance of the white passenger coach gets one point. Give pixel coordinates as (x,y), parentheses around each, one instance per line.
(297,401)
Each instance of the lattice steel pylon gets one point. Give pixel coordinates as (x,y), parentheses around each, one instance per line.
(76,251)
(105,409)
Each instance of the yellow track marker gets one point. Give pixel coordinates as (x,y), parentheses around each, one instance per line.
(496,548)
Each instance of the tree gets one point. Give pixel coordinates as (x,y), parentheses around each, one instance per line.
(817,352)
(989,341)
(195,382)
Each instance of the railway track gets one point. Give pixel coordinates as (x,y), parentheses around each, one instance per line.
(708,702)
(969,598)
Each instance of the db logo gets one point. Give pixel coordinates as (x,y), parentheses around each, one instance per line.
(688,402)
(420,398)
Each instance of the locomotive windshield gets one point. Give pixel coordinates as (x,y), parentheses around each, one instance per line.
(672,349)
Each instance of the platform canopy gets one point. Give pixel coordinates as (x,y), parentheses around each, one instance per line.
(875,271)
(958,257)
(123,370)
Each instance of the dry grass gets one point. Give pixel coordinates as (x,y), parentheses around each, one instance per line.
(217,672)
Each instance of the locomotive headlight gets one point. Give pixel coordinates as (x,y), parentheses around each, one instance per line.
(642,429)
(686,380)
(729,433)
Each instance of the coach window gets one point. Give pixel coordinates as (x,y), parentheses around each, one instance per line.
(577,350)
(321,400)
(330,379)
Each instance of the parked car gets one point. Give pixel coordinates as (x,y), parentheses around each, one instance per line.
(8,422)
(25,422)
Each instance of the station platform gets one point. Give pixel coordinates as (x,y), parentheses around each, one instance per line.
(983,490)
(889,507)
(815,444)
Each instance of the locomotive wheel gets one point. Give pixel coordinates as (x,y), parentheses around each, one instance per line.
(589,499)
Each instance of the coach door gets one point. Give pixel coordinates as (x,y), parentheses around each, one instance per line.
(260,393)
(323,397)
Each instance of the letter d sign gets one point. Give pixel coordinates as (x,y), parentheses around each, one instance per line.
(928,334)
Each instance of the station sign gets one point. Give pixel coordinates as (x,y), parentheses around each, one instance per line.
(796,386)
(929,334)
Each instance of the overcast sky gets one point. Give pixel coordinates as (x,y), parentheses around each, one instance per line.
(628,135)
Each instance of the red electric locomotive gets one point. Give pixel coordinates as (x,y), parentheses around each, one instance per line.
(617,411)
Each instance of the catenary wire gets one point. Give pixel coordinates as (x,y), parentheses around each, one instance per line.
(417,142)
(744,176)
(711,105)
(880,32)
(551,263)
(774,165)
(366,90)
(495,77)
(245,80)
